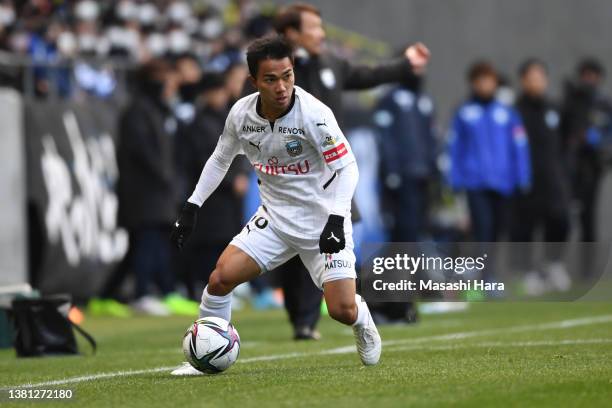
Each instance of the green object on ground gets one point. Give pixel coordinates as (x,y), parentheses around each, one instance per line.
(108,307)
(181,306)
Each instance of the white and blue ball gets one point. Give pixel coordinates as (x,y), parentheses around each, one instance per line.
(211,345)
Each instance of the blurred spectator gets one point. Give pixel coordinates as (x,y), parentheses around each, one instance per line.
(9,75)
(546,205)
(49,76)
(586,122)
(189,74)
(146,188)
(196,142)
(235,79)
(325,76)
(404,119)
(489,154)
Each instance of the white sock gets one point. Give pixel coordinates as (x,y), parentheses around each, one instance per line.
(216,306)
(363,313)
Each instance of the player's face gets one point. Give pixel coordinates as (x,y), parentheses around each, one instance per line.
(484,86)
(535,81)
(311,35)
(275,82)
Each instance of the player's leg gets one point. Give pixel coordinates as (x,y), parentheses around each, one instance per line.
(233,268)
(345,306)
(335,273)
(257,248)
(340,300)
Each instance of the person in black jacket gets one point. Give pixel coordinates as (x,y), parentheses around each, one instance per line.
(546,205)
(586,123)
(196,142)
(408,147)
(326,76)
(146,188)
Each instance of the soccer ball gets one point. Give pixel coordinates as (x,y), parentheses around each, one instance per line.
(211,345)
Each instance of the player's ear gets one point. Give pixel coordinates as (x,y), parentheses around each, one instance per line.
(253,81)
(292,35)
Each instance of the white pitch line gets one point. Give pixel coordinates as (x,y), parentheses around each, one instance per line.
(91,377)
(491,344)
(563,324)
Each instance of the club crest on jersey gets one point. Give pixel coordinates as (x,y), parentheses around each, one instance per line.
(294,148)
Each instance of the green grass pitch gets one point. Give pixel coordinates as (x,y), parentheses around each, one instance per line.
(493,354)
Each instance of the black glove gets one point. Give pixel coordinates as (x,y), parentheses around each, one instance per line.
(184,226)
(332,238)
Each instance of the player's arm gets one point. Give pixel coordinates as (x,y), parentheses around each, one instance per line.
(339,157)
(213,173)
(412,63)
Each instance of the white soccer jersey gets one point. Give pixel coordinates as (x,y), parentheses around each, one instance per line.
(295,161)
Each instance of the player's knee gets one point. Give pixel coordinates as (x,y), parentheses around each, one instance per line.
(343,311)
(220,283)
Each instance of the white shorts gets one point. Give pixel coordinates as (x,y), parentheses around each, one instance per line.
(271,248)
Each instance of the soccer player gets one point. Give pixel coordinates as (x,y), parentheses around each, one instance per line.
(307,177)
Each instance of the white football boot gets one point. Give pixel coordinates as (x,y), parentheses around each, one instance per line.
(186,369)
(369,345)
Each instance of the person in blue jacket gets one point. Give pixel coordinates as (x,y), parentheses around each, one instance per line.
(489,154)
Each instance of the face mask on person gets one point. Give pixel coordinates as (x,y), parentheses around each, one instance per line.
(87,10)
(211,28)
(153,89)
(156,44)
(67,44)
(178,12)
(127,10)
(189,92)
(147,14)
(7,16)
(88,43)
(178,42)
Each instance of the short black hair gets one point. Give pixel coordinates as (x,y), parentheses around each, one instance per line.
(272,47)
(531,63)
(591,64)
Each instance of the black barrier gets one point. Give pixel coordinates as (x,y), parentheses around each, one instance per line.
(72,172)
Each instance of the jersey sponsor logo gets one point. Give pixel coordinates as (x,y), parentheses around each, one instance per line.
(275,169)
(253,128)
(294,148)
(331,263)
(335,153)
(290,131)
(257,146)
(329,141)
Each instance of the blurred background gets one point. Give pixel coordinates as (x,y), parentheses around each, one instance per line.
(109,109)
